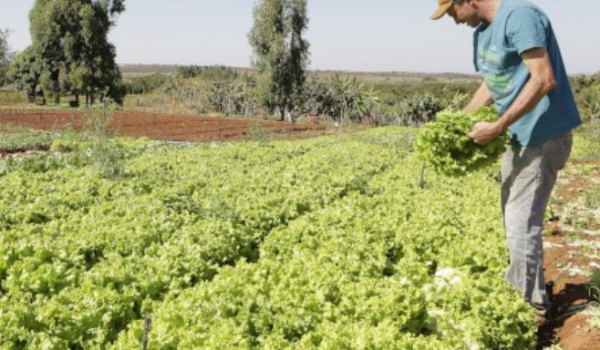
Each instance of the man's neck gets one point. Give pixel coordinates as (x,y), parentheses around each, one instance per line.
(488,9)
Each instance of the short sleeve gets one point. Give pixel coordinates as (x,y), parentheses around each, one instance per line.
(475,44)
(526,29)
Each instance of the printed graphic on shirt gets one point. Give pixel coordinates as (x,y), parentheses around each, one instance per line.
(496,77)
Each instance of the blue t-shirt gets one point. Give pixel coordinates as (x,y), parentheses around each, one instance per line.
(517,27)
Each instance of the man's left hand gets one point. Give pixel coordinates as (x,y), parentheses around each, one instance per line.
(484,132)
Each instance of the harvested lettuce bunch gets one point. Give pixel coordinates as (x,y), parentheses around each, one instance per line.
(444,144)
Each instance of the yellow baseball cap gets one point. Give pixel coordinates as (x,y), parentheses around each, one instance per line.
(443,7)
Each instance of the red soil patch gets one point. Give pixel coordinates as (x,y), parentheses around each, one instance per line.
(157,126)
(567,251)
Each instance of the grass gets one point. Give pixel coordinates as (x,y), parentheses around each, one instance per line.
(259,134)
(12,97)
(591,199)
(587,142)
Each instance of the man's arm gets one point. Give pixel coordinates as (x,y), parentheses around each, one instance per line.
(541,82)
(482,97)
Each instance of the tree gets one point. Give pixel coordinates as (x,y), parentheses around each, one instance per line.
(25,72)
(5,56)
(70,52)
(280,51)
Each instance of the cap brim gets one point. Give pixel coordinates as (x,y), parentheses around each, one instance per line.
(441,11)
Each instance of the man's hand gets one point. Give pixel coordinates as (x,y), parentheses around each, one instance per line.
(484,132)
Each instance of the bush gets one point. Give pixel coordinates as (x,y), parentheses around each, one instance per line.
(587,95)
(413,111)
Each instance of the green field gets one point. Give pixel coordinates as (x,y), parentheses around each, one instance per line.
(327,243)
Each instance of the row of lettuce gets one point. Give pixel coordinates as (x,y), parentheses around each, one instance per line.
(315,244)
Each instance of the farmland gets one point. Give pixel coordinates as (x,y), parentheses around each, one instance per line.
(156,126)
(229,232)
(321,243)
(352,199)
(313,244)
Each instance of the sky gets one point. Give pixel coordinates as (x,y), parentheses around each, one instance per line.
(348,35)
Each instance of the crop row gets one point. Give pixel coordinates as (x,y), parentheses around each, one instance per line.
(394,266)
(84,255)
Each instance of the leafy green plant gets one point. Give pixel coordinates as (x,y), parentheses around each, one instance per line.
(445,146)
(594,290)
(109,246)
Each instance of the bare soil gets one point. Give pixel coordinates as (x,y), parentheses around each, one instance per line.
(157,126)
(19,150)
(571,255)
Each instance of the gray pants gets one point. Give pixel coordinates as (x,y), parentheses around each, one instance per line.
(528,176)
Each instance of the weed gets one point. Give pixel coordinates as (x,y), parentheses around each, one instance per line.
(94,146)
(259,134)
(106,157)
(591,200)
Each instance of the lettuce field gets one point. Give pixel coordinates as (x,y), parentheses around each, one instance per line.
(327,243)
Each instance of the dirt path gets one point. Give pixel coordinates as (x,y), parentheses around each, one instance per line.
(572,255)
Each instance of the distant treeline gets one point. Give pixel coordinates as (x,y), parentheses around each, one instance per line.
(150,83)
(227,90)
(137,70)
(214,73)
(412,101)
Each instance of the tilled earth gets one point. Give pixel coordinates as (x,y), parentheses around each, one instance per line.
(156,126)
(572,256)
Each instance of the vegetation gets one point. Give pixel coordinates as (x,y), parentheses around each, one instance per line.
(5,56)
(280,52)
(25,72)
(342,99)
(333,98)
(348,98)
(587,145)
(211,73)
(329,243)
(587,94)
(414,110)
(445,146)
(146,84)
(12,98)
(391,93)
(313,260)
(70,53)
(17,139)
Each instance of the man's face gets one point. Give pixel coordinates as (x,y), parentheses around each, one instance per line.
(462,12)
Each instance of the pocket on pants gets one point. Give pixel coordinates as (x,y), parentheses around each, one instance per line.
(519,162)
(556,152)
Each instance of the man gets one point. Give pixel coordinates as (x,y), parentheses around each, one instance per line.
(517,54)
